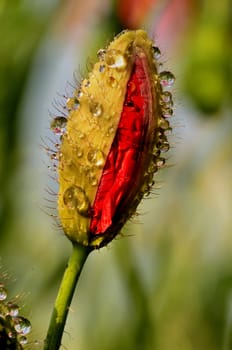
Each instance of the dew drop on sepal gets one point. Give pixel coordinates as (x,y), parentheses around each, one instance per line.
(95,109)
(22,325)
(156,52)
(3,292)
(13,309)
(166,97)
(23,340)
(167,79)
(75,198)
(96,157)
(115,59)
(58,125)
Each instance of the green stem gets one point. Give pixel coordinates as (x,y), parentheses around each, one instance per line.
(64,297)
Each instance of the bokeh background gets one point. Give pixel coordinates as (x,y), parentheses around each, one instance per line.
(168,284)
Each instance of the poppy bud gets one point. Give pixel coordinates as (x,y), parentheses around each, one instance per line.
(112,140)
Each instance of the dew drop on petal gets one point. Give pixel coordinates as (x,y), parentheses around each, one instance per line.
(75,198)
(3,292)
(115,59)
(22,325)
(156,52)
(167,79)
(95,109)
(58,125)
(96,158)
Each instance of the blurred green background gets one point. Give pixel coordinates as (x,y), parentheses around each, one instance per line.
(168,285)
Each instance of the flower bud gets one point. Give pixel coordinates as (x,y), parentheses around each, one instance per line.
(112,140)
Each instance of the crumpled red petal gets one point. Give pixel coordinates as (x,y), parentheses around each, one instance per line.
(119,175)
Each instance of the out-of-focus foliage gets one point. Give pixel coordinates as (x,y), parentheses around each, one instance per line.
(21,28)
(168,284)
(208,66)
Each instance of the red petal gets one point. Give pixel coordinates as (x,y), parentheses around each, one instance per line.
(121,174)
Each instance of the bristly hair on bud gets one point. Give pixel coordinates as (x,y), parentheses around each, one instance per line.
(113,139)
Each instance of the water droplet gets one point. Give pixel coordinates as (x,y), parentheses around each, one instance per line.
(22,325)
(162,137)
(23,340)
(167,79)
(79,94)
(12,334)
(76,104)
(164,146)
(107,116)
(115,59)
(151,183)
(79,153)
(96,157)
(96,109)
(13,309)
(58,125)
(75,198)
(164,123)
(156,151)
(152,168)
(3,292)
(156,52)
(86,82)
(102,68)
(160,162)
(132,86)
(93,180)
(101,54)
(112,82)
(166,97)
(72,103)
(55,156)
(80,134)
(167,112)
(168,131)
(111,130)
